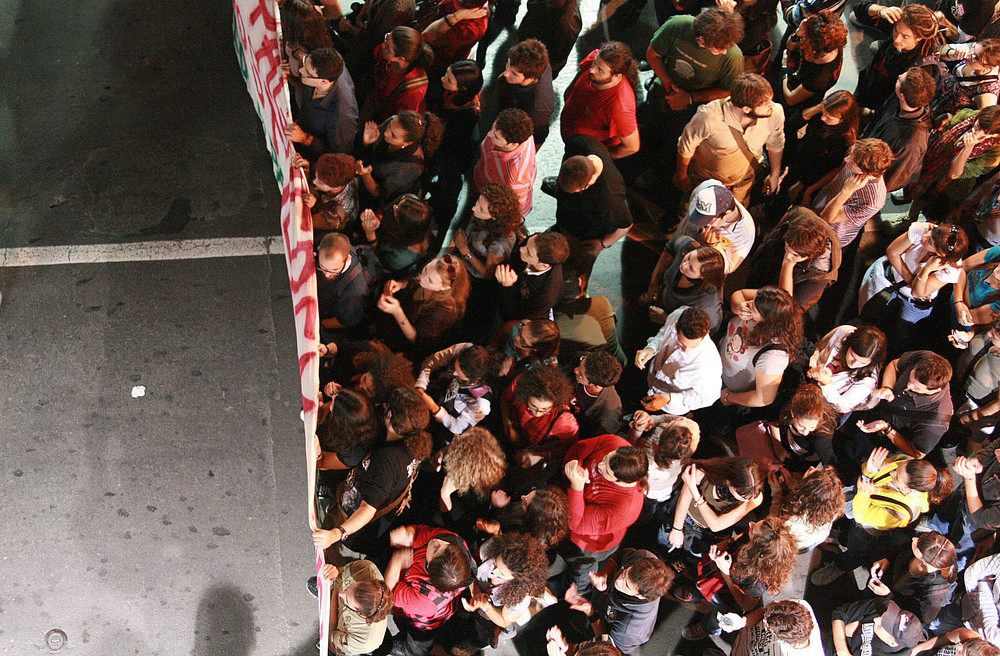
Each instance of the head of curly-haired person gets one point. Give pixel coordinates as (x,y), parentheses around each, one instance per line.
(448,567)
(717,30)
(769,555)
(789,622)
(370,598)
(303,29)
(511,128)
(820,34)
(546,515)
(753,95)
(598,370)
(406,415)
(474,364)
(781,320)
(499,209)
(617,59)
(334,171)
(380,371)
(915,89)
(871,156)
(546,385)
(816,500)
(649,578)
(526,61)
(475,462)
(520,567)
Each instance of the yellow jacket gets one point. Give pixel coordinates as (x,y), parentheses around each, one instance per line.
(886,507)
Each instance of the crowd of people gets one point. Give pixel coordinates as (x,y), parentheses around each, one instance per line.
(480,473)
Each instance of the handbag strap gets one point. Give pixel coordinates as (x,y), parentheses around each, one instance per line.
(742,143)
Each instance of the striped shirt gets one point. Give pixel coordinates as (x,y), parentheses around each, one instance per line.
(861,206)
(516,168)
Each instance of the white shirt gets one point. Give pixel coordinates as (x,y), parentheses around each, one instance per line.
(844,392)
(916,252)
(736,237)
(693,379)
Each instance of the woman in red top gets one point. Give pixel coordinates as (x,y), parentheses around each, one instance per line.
(400,80)
(537,417)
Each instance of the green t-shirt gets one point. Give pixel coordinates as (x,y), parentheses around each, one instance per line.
(692,67)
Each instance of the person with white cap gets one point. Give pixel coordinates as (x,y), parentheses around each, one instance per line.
(715,218)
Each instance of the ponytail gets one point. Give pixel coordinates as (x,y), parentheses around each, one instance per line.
(424,129)
(922,476)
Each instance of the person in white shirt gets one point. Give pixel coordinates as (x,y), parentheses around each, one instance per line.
(685,370)
(715,218)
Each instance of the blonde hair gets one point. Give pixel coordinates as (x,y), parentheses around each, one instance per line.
(475,462)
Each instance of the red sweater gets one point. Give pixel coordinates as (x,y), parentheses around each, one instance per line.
(600,514)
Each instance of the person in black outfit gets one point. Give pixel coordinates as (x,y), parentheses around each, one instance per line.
(590,200)
(526,84)
(596,403)
(557,24)
(533,281)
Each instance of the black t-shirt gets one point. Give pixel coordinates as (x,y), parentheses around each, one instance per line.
(970,15)
(865,612)
(600,209)
(380,479)
(817,78)
(538,101)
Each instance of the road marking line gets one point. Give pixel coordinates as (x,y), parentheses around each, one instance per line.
(180,249)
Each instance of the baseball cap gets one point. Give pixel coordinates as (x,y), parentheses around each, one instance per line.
(902,625)
(709,200)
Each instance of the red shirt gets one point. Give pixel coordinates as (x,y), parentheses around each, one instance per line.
(386,81)
(414,596)
(559,424)
(457,42)
(603,511)
(607,115)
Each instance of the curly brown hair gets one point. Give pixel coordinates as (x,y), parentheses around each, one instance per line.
(475,462)
(525,558)
(769,555)
(547,516)
(818,499)
(504,207)
(808,402)
(544,381)
(782,324)
(789,621)
(825,32)
(388,370)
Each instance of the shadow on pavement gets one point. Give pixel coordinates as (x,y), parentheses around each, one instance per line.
(224,624)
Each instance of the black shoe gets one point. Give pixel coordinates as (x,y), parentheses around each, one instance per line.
(313,586)
(549,185)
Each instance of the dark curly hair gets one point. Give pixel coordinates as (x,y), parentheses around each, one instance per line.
(782,322)
(602,368)
(514,125)
(789,621)
(770,555)
(409,417)
(818,498)
(547,516)
(525,558)
(544,381)
(504,207)
(388,370)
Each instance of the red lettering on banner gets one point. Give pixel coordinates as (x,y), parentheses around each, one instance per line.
(308,405)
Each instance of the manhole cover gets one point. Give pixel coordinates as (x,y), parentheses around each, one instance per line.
(55,639)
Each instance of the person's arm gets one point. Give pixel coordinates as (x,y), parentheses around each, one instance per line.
(774,155)
(472,414)
(433,32)
(330,460)
(811,190)
(794,96)
(717,523)
(684,500)
(895,256)
(656,279)
(629,145)
(786,276)
(961,158)
(610,239)
(681,178)
(890,374)
(764,391)
(391,306)
(840,637)
(739,298)
(659,68)
(925,283)
(358,520)
(833,212)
